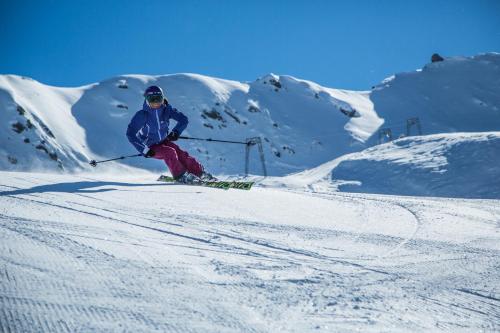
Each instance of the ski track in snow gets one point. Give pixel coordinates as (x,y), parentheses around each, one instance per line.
(81,254)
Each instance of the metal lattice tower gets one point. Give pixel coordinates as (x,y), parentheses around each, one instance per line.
(250,142)
(410,122)
(384,133)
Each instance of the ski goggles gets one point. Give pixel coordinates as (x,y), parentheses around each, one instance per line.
(154,99)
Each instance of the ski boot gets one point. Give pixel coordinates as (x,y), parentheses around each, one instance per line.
(207,177)
(187,178)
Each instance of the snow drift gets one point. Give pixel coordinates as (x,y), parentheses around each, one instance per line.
(465,165)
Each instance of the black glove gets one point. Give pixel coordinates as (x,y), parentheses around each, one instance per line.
(150,153)
(173,136)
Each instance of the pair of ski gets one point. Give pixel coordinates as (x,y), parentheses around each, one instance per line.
(225,185)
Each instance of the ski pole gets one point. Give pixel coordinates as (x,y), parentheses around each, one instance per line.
(213,140)
(94,162)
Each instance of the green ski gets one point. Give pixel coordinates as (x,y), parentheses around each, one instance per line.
(215,184)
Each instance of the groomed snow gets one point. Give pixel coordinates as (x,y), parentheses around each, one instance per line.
(97,253)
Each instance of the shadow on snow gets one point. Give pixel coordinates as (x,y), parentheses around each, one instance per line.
(75,187)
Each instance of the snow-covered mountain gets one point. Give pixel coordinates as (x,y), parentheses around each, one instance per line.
(456,95)
(302,124)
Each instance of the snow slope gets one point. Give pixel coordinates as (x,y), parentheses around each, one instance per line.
(37,129)
(98,253)
(301,123)
(460,165)
(460,94)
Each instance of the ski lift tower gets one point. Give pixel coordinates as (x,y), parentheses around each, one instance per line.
(410,122)
(384,133)
(250,142)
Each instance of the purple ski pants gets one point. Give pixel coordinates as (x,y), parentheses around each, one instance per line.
(177,160)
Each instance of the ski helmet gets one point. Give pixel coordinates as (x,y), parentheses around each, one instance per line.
(153,94)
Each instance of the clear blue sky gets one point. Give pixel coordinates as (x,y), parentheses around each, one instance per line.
(342,44)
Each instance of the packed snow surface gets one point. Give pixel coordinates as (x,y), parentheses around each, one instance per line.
(101,253)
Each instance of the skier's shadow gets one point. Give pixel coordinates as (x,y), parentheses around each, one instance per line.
(74,187)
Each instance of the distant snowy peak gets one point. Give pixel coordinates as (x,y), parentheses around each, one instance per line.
(456,94)
(485,63)
(355,109)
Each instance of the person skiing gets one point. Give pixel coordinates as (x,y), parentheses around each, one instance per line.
(149,133)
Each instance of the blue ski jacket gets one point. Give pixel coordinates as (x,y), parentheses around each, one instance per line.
(150,126)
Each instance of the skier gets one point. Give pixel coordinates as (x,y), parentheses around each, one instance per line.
(149,132)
